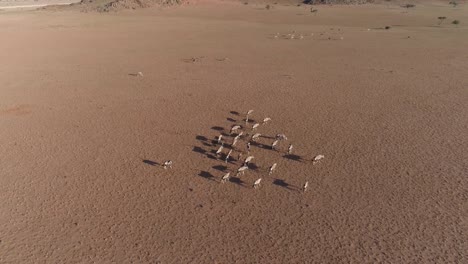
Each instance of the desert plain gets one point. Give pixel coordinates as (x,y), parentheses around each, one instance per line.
(92,104)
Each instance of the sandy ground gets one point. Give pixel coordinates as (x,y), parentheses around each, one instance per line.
(82,136)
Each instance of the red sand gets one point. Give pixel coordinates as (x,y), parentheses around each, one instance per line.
(80,135)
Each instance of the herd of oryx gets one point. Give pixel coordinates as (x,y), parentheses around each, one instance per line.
(248,134)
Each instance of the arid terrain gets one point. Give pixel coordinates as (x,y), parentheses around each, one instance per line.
(92,104)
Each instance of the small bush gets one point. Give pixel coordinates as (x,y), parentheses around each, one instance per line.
(441,19)
(455,22)
(453,3)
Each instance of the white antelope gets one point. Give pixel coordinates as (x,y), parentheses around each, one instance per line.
(228,156)
(281,137)
(248,160)
(273,145)
(318,158)
(257,183)
(266,120)
(255,126)
(242,170)
(272,168)
(255,136)
(304,188)
(220,149)
(234,141)
(167,164)
(290,149)
(234,128)
(220,138)
(247,116)
(248,146)
(226,177)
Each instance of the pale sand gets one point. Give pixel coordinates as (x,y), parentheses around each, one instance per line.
(8,5)
(79,134)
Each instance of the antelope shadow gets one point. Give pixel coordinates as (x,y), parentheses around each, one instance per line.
(204,152)
(207,144)
(226,134)
(284,184)
(253,166)
(293,157)
(151,163)
(211,157)
(201,138)
(251,121)
(206,175)
(204,140)
(198,150)
(231,160)
(220,168)
(237,181)
(260,145)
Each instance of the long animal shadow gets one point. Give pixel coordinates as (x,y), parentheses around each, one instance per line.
(204,152)
(234,113)
(201,138)
(204,140)
(198,150)
(220,167)
(211,157)
(150,162)
(230,119)
(284,184)
(217,128)
(207,175)
(260,145)
(231,160)
(207,144)
(253,166)
(237,181)
(293,157)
